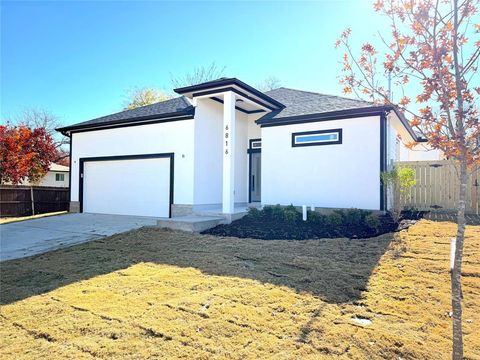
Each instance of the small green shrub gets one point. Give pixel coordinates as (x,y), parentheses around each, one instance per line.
(352,217)
(290,213)
(372,221)
(277,212)
(397,182)
(345,218)
(274,212)
(254,213)
(335,219)
(268,211)
(339,212)
(316,217)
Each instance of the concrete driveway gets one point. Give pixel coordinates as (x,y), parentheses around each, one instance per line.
(30,237)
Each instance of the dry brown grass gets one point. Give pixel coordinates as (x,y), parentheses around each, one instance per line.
(162,294)
(6,220)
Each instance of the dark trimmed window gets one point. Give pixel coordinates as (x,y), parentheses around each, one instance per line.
(59,177)
(256,144)
(316,138)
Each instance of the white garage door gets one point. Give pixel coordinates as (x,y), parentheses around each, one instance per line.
(127,187)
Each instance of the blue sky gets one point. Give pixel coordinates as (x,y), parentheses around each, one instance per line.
(77,59)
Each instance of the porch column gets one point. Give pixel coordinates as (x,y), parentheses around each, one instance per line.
(228,152)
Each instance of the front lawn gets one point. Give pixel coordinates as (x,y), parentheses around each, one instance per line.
(154,293)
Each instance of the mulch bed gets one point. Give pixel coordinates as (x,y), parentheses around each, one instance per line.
(271,229)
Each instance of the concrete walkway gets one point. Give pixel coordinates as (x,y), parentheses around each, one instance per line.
(30,237)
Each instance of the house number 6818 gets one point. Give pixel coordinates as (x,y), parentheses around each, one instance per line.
(226,141)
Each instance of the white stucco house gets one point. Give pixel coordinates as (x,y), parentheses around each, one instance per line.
(224,144)
(420,152)
(57,176)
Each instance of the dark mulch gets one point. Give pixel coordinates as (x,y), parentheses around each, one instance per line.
(471,219)
(451,216)
(414,214)
(271,229)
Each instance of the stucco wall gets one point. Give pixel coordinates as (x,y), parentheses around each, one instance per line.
(338,176)
(176,137)
(197,145)
(208,183)
(208,152)
(254,130)
(241,159)
(392,145)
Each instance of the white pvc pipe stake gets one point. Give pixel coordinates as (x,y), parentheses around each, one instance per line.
(453,244)
(312,208)
(304,212)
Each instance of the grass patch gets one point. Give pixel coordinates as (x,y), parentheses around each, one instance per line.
(6,220)
(154,293)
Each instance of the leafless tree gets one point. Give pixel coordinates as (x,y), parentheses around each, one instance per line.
(270,83)
(41,118)
(199,75)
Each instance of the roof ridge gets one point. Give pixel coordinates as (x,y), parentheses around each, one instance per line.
(317,93)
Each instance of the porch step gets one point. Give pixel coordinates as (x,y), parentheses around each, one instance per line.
(191,223)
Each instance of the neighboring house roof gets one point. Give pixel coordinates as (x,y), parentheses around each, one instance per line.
(176,107)
(58,167)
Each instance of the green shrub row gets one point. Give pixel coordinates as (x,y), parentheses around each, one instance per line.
(349,217)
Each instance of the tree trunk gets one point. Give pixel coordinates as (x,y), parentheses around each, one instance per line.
(456,272)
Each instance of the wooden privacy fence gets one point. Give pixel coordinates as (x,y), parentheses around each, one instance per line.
(437,187)
(17,200)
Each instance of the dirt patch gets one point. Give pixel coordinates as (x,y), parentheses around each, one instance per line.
(154,293)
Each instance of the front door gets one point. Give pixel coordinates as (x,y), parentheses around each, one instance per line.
(255,177)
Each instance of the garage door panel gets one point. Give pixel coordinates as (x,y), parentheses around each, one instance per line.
(127,187)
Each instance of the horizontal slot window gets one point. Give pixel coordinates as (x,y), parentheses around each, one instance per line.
(321,137)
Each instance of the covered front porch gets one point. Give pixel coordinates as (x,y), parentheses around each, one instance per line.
(203,219)
(236,172)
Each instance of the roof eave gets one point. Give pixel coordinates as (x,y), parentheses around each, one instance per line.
(226,82)
(267,120)
(175,115)
(330,115)
(406,124)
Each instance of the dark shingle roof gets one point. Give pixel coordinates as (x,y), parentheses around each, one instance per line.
(301,105)
(172,107)
(298,102)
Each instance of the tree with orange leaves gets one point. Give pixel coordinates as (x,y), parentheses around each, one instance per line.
(25,153)
(433,51)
